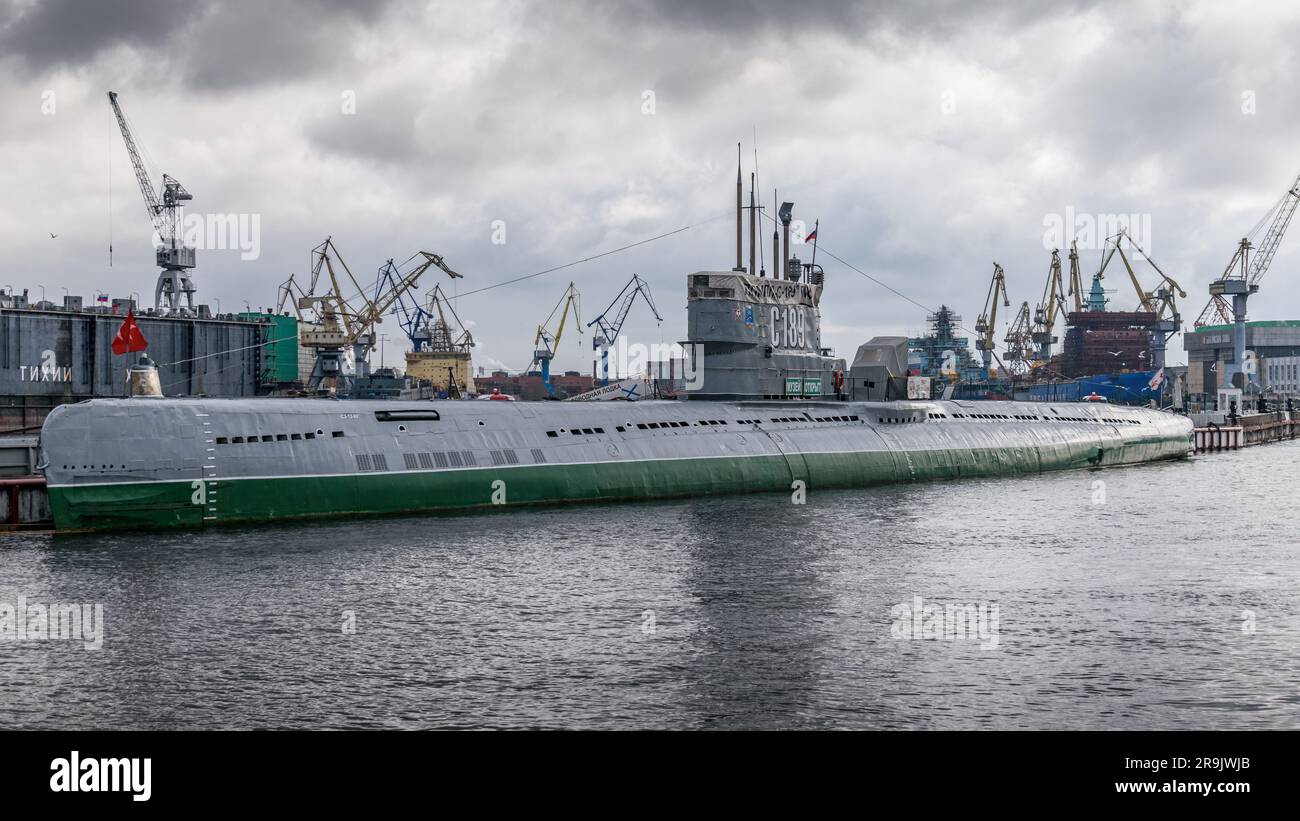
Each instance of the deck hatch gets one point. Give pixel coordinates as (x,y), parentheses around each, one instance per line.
(408,415)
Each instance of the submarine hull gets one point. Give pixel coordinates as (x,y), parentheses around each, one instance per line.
(193,463)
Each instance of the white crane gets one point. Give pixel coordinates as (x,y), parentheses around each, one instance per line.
(174,258)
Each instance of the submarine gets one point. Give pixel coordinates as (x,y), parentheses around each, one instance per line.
(768,409)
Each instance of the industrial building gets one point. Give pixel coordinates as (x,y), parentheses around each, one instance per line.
(1272,362)
(54,354)
(529,386)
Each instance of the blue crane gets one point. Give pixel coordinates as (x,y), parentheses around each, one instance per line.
(417,320)
(607,330)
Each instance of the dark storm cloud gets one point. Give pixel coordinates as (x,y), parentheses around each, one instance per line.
(71,33)
(848,18)
(210,45)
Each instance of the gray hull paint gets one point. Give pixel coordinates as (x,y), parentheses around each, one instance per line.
(106,441)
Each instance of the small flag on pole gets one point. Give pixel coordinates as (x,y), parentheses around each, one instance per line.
(129,338)
(1156,380)
(812,236)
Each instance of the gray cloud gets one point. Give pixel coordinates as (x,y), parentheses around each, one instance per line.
(930,139)
(209,44)
(69,33)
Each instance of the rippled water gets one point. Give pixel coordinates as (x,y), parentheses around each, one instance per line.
(1123,614)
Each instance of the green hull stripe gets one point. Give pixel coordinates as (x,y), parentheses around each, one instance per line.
(232,501)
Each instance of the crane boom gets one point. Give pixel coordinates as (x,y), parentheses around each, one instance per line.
(1052,304)
(986,324)
(1268,247)
(1076,278)
(1251,271)
(174,258)
(545,344)
(151,203)
(608,330)
(340,322)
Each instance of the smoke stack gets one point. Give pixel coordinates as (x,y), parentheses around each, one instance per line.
(786,212)
(738,211)
(753,228)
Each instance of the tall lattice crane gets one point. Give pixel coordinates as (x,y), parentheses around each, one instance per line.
(1241,278)
(607,329)
(422,322)
(172,256)
(1245,268)
(339,323)
(546,343)
(1163,301)
(1019,341)
(1076,277)
(1052,304)
(986,323)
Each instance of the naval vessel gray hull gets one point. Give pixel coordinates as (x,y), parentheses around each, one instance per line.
(154,462)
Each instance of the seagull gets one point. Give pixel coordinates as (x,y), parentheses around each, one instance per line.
(1114,353)
(53,235)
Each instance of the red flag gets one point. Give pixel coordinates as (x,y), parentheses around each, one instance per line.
(128,337)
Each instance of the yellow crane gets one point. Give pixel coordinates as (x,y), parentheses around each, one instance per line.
(1076,278)
(1019,342)
(337,323)
(986,324)
(1052,303)
(545,343)
(1162,301)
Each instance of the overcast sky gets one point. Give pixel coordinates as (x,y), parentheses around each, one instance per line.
(929,139)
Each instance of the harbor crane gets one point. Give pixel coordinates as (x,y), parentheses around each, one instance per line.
(425,323)
(172,256)
(986,323)
(608,329)
(1052,304)
(339,323)
(545,343)
(1076,277)
(1241,279)
(1020,342)
(1163,301)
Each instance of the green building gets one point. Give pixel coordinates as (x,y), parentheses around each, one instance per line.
(280,353)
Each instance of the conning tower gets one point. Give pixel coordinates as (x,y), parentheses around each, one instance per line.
(754,337)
